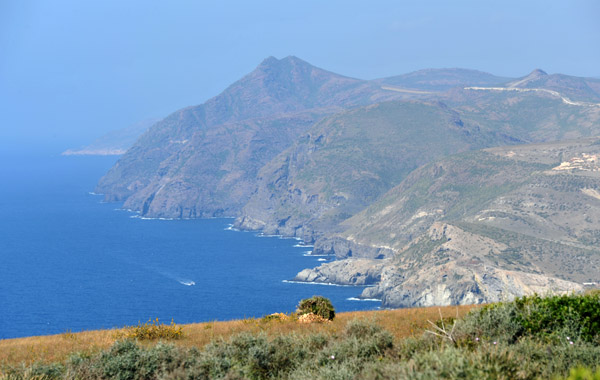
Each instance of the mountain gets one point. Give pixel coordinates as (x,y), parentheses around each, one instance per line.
(201,161)
(115,142)
(437,80)
(479,227)
(530,116)
(358,167)
(346,161)
(568,88)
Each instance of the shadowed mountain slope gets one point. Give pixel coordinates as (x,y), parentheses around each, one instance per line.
(348,160)
(197,161)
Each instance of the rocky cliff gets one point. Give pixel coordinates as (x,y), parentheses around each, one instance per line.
(483,226)
(368,171)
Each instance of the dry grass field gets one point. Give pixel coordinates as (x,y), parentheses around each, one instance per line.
(401,323)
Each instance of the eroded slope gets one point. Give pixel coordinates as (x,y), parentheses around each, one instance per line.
(482,226)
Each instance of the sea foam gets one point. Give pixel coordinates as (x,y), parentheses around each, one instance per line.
(319,283)
(363,299)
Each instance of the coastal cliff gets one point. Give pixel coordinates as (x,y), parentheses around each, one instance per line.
(370,172)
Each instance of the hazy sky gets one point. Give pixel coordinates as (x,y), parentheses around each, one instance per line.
(72,70)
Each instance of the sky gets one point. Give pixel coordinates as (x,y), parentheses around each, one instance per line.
(72,70)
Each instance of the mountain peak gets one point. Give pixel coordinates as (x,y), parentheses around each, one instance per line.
(537,73)
(290,60)
(270,60)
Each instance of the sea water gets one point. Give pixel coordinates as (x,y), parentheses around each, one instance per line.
(70,262)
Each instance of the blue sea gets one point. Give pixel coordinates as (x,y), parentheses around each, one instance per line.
(70,262)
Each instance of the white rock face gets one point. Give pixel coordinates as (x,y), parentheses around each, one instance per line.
(345,272)
(457,272)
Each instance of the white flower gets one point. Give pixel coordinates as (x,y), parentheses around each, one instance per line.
(332,357)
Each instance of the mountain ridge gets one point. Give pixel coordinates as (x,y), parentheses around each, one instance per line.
(156,176)
(296,150)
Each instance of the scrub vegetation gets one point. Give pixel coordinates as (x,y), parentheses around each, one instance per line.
(529,338)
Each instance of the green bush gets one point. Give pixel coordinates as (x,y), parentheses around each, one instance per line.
(318,305)
(581,373)
(569,318)
(560,314)
(127,361)
(36,371)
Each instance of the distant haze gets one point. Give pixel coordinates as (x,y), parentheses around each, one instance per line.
(71,71)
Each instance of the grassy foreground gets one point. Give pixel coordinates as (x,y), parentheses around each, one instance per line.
(530,338)
(401,323)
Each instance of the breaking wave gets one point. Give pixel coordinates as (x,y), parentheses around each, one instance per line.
(320,283)
(363,299)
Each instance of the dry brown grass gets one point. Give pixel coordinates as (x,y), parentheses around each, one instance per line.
(401,323)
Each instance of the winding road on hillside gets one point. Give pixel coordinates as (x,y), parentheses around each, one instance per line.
(551,92)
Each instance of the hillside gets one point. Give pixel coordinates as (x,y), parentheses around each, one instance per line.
(346,161)
(202,161)
(438,80)
(480,226)
(530,116)
(198,161)
(402,323)
(529,338)
(578,89)
(295,150)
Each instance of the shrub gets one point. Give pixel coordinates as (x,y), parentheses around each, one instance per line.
(558,317)
(510,344)
(153,330)
(317,305)
(125,360)
(581,373)
(279,317)
(36,371)
(548,315)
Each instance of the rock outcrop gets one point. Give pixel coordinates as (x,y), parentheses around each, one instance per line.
(345,272)
(486,226)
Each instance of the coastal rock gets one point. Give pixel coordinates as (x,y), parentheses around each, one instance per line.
(456,285)
(344,248)
(345,272)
